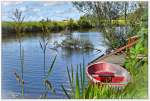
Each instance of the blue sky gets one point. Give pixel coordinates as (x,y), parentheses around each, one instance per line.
(37,10)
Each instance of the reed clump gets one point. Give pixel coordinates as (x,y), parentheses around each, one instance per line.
(72,43)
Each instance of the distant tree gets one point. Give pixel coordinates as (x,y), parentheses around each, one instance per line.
(84,23)
(103,13)
(72,25)
(99,10)
(136,17)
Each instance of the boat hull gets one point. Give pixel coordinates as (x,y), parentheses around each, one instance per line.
(107,74)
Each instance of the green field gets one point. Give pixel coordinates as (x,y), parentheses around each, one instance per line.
(35,26)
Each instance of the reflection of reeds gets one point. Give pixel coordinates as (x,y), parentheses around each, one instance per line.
(47,83)
(17,77)
(44,96)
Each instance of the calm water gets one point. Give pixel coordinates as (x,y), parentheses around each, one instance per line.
(33,63)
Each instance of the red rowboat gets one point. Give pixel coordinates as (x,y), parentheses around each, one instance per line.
(108,74)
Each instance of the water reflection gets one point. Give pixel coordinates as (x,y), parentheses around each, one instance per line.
(33,58)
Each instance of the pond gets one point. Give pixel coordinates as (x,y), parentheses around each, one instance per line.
(33,63)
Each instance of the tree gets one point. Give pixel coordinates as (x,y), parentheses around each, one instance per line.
(99,10)
(84,23)
(71,24)
(104,13)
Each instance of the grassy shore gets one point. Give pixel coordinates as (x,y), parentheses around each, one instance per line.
(54,26)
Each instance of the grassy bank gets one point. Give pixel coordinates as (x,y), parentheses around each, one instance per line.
(54,26)
(136,63)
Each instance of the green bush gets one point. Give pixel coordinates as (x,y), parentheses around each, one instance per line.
(84,23)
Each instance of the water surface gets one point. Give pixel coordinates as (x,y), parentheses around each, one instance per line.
(33,63)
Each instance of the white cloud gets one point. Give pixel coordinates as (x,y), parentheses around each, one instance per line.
(41,17)
(36,10)
(58,12)
(66,11)
(23,9)
(7,3)
(49,3)
(54,3)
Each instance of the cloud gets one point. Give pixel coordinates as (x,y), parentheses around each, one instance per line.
(58,12)
(54,3)
(23,9)
(41,17)
(8,3)
(66,11)
(36,10)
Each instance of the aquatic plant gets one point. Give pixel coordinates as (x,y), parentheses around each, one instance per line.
(77,82)
(72,43)
(19,18)
(137,65)
(43,45)
(79,90)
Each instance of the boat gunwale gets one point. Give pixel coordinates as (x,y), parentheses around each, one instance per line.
(111,84)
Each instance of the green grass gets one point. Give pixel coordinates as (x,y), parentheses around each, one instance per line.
(137,88)
(34,26)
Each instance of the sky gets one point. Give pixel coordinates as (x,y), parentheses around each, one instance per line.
(37,10)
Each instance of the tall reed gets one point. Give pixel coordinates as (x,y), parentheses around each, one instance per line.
(43,45)
(77,82)
(18,18)
(137,88)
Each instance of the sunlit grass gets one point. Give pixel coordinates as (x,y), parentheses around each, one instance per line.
(136,88)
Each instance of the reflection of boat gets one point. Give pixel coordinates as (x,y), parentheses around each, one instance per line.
(107,74)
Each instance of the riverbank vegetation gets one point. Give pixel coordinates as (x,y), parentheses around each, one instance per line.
(73,43)
(103,14)
(136,61)
(56,26)
(133,16)
(53,26)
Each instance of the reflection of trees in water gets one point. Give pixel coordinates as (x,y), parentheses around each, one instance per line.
(25,36)
(68,52)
